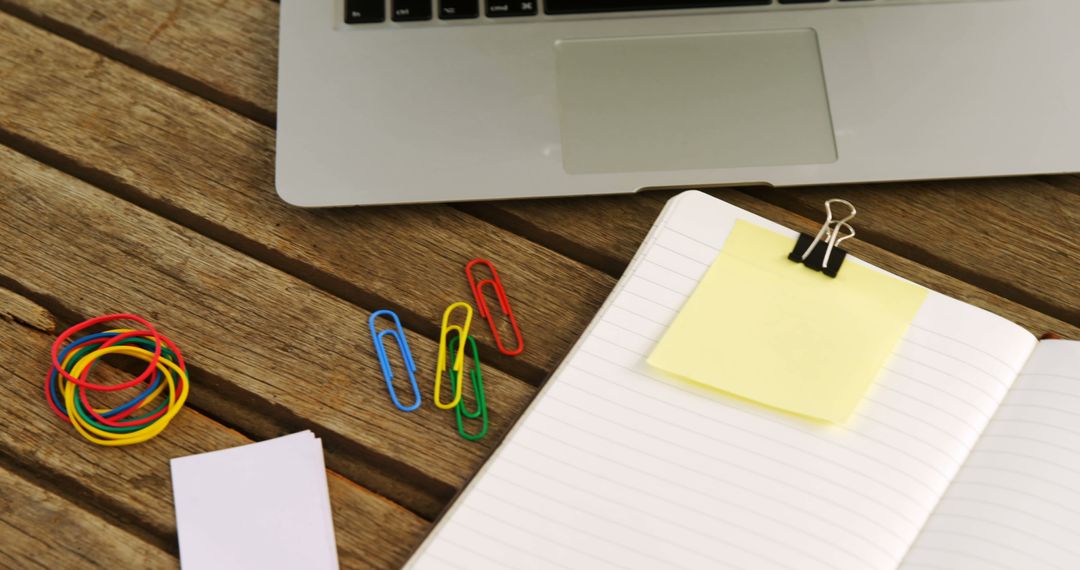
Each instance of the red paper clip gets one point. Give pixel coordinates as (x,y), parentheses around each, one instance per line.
(481,304)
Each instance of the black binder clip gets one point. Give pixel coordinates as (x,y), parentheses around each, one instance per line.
(820,252)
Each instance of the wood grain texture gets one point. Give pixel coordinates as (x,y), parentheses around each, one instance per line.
(162,144)
(283,343)
(230,46)
(20,310)
(134,483)
(39,529)
(601,231)
(213,170)
(947,225)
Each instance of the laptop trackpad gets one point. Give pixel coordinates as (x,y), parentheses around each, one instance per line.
(693,101)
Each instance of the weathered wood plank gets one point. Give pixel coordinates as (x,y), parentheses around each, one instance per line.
(135,482)
(943,224)
(283,343)
(602,231)
(39,529)
(230,47)
(1068,182)
(17,308)
(213,170)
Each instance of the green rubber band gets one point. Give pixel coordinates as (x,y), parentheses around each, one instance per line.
(79,409)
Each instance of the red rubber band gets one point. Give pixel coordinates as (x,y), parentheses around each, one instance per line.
(118,420)
(150,368)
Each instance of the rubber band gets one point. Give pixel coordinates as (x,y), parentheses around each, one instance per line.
(164,381)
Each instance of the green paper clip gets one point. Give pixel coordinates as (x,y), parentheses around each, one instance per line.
(478,391)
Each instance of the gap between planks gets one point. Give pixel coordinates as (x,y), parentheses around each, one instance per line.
(308,273)
(222,402)
(611,268)
(490,213)
(55,470)
(182,81)
(76,492)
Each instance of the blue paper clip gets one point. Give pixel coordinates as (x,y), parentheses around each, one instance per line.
(384,361)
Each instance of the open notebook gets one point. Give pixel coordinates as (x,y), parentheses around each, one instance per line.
(965,452)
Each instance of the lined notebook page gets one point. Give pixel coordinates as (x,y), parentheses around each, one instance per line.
(613,466)
(1016,502)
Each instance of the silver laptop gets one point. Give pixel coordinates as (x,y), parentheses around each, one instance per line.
(396,101)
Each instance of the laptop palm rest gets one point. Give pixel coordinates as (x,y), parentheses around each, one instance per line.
(693,101)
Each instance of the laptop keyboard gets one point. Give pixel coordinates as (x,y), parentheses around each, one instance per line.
(374,11)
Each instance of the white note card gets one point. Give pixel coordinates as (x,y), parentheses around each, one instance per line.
(264,505)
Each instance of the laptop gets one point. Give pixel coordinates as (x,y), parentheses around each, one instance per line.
(401,101)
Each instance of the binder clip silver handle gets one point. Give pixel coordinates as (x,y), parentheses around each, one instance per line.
(820,252)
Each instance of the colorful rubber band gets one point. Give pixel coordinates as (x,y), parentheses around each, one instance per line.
(67,387)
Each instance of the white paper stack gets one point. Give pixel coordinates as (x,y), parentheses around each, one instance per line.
(264,505)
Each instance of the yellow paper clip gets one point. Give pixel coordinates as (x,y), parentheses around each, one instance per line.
(459,360)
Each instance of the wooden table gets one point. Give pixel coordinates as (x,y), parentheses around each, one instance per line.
(137,144)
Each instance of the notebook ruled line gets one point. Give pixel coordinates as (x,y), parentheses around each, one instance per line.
(1004,420)
(640,490)
(663,286)
(1019,483)
(1049,502)
(981,350)
(555,499)
(1013,406)
(868,478)
(505,563)
(949,374)
(692,278)
(987,562)
(1024,456)
(684,527)
(1013,528)
(447,563)
(968,363)
(733,426)
(1025,475)
(698,451)
(1028,555)
(998,436)
(643,376)
(615,465)
(974,428)
(940,390)
(566,524)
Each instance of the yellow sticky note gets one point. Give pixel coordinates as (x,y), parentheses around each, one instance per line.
(774,331)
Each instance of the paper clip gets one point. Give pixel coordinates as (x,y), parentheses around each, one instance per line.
(398,334)
(807,250)
(504,303)
(459,360)
(461,411)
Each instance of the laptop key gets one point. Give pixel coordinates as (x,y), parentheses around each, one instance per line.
(410,10)
(509,8)
(364,11)
(458,9)
(583,6)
